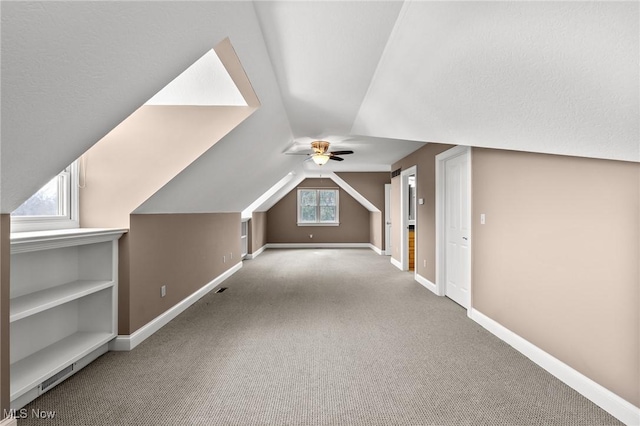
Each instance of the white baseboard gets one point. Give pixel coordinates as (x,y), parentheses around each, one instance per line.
(128,342)
(599,395)
(9,421)
(396,263)
(317,245)
(376,249)
(256,253)
(428,284)
(313,245)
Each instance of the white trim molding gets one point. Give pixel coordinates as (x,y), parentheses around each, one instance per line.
(404,217)
(599,395)
(440,216)
(427,284)
(22,242)
(128,342)
(313,245)
(9,421)
(376,249)
(256,253)
(396,263)
(355,194)
(316,245)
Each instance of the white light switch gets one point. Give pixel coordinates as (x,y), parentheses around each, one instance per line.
(482,219)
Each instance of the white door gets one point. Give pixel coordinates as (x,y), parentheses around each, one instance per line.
(457,229)
(387,219)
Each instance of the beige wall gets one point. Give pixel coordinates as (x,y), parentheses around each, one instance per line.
(371,186)
(183,252)
(376,229)
(557,260)
(123,285)
(425,161)
(5,263)
(258,230)
(282,218)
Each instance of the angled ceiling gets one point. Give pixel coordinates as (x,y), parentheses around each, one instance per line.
(381,78)
(552,77)
(324,55)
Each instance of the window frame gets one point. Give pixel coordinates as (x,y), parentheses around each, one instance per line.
(317,222)
(70,192)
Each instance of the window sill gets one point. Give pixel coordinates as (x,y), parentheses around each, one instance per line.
(31,224)
(319,224)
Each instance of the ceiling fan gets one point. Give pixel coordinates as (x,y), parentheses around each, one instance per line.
(321,153)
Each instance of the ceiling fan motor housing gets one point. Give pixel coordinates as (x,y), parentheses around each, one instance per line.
(320,147)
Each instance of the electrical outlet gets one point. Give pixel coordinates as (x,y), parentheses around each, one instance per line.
(310,235)
(231,254)
(224,259)
(163,291)
(425,263)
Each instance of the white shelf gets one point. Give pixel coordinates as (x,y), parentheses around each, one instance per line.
(31,371)
(39,301)
(42,240)
(63,309)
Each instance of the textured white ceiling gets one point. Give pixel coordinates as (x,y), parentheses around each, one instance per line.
(324,55)
(554,77)
(370,154)
(558,77)
(71,71)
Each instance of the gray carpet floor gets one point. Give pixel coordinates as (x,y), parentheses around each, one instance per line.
(318,337)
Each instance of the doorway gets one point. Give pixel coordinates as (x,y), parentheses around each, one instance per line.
(387,219)
(409,217)
(453,225)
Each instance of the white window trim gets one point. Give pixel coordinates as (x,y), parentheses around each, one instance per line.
(45,223)
(298,214)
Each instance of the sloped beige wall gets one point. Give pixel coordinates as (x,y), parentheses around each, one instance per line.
(143,153)
(152,146)
(557,260)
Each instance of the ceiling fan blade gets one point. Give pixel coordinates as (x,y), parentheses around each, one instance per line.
(333,157)
(341,152)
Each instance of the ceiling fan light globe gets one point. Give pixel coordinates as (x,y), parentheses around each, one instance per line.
(320,159)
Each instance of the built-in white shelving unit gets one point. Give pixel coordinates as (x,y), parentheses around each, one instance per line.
(63,308)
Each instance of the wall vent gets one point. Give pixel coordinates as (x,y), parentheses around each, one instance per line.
(56,378)
(396,173)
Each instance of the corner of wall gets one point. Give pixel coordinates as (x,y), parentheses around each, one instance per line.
(5,264)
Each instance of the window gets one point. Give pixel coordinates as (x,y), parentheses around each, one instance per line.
(54,206)
(318,207)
